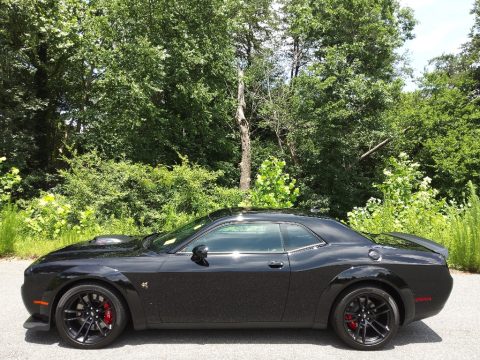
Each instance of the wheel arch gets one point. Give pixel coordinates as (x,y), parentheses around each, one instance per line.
(374,283)
(368,275)
(114,281)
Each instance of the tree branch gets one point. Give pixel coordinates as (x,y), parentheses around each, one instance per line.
(380,145)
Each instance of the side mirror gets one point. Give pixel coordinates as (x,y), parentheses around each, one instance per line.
(200,253)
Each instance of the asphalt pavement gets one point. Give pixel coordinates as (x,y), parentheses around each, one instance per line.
(453,334)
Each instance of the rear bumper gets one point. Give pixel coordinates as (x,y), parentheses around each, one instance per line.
(36,324)
(434,296)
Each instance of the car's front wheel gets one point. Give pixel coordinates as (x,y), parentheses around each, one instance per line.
(90,316)
(366,318)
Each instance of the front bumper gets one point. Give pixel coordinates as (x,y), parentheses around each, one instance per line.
(36,299)
(36,324)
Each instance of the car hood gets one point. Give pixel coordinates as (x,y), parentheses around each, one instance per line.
(100,246)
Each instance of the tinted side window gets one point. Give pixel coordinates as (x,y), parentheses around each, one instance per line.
(298,236)
(247,237)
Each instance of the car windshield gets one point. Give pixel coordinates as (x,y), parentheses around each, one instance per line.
(165,242)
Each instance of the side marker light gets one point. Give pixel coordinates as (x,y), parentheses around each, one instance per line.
(423,299)
(40,302)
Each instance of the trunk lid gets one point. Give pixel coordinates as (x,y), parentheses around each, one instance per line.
(428,244)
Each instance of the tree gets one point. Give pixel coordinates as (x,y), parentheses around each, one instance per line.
(443,132)
(145,80)
(163,70)
(254,23)
(346,81)
(443,117)
(38,40)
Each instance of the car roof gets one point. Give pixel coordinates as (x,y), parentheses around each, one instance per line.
(329,229)
(262,213)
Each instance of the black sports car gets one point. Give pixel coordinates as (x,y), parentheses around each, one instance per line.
(264,269)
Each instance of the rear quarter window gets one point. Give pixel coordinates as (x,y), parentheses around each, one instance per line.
(298,237)
(332,231)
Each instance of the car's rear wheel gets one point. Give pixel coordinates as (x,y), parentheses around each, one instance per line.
(90,316)
(366,318)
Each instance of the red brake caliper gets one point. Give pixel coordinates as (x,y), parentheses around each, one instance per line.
(107,317)
(352,324)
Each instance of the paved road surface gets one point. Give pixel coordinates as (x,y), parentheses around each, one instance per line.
(451,335)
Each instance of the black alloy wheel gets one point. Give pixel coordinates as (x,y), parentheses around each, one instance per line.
(90,316)
(366,318)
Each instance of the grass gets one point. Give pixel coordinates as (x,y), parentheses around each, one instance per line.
(16,240)
(29,247)
(9,224)
(462,238)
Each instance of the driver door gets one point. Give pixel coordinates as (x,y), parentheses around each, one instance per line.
(245,277)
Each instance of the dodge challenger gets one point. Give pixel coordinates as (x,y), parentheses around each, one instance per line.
(238,268)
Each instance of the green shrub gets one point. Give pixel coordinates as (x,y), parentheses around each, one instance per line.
(51,215)
(273,188)
(409,204)
(157,197)
(7,181)
(47,216)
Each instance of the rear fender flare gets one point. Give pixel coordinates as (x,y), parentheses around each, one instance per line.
(357,274)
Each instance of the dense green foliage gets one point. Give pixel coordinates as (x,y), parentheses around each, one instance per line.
(350,80)
(443,134)
(143,81)
(158,197)
(98,196)
(442,118)
(409,204)
(462,237)
(98,99)
(104,196)
(9,225)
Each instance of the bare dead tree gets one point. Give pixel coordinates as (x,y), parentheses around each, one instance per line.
(244,127)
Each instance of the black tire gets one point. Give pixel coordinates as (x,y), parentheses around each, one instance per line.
(90,316)
(366,318)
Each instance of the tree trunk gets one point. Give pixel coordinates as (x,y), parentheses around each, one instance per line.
(244,126)
(42,123)
(296,54)
(293,153)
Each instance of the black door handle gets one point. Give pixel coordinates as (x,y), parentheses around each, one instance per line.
(275,264)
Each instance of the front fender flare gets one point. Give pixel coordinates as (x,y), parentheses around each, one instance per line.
(107,275)
(357,274)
